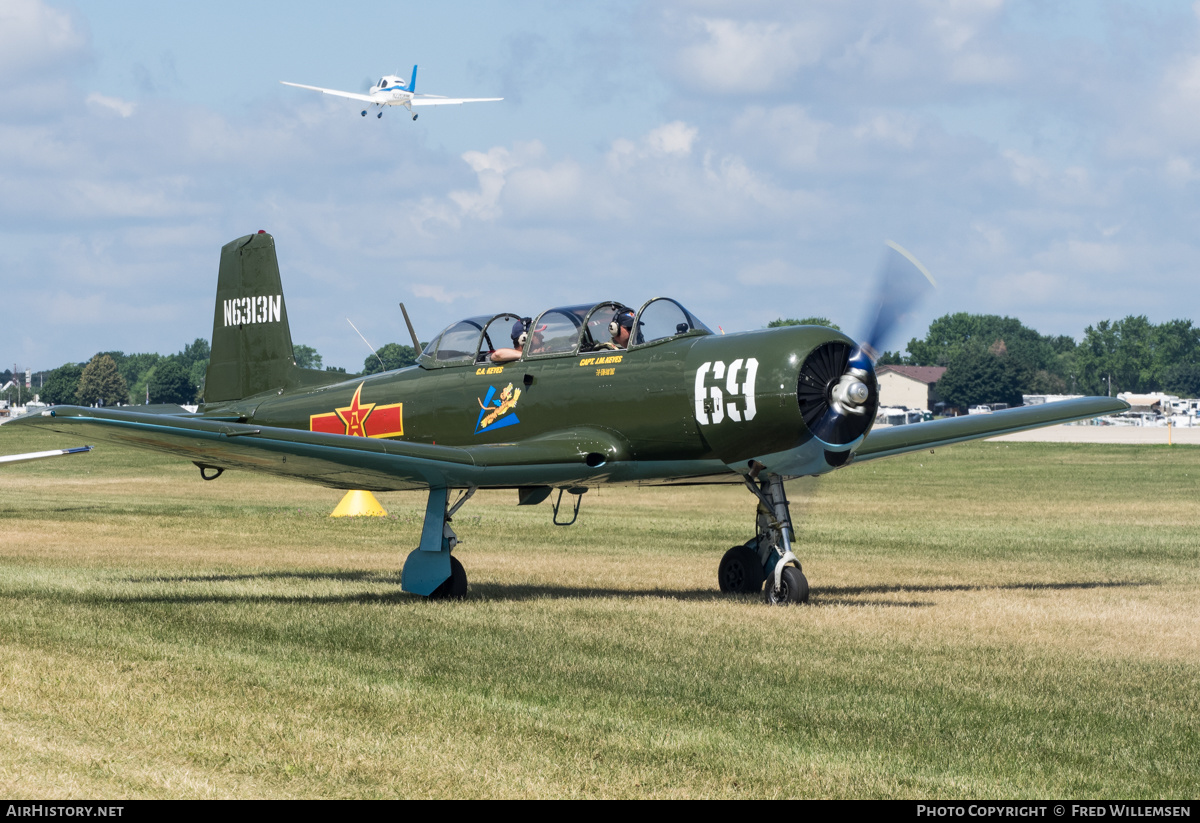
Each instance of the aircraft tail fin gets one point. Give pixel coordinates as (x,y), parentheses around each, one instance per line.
(251,342)
(412,84)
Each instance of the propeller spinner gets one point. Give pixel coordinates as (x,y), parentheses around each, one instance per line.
(837,390)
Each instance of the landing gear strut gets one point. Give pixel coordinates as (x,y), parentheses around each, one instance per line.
(768,557)
(429,570)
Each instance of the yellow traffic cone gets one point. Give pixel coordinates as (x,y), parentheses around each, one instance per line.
(359,504)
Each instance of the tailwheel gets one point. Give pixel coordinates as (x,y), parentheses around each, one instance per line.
(741,571)
(793,588)
(455,587)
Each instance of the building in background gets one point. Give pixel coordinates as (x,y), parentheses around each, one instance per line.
(910,387)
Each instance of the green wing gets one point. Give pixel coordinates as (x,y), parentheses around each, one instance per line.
(900,439)
(343,462)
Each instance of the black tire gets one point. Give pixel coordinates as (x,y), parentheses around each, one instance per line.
(793,588)
(455,587)
(740,571)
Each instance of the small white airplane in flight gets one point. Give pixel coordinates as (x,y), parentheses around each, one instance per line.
(396,91)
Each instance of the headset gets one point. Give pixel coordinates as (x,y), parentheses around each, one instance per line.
(520,332)
(623,318)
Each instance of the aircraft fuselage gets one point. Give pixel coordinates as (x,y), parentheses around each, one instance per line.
(691,407)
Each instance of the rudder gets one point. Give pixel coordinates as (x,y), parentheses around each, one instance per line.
(251,341)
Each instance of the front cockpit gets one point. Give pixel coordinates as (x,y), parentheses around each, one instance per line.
(565,330)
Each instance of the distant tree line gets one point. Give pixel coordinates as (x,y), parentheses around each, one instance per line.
(988,359)
(113,378)
(993,359)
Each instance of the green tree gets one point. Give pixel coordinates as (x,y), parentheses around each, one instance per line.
(61,384)
(137,371)
(1183,380)
(806,321)
(1134,354)
(953,334)
(17,395)
(194,352)
(133,367)
(393,355)
(306,357)
(101,383)
(977,376)
(170,383)
(193,359)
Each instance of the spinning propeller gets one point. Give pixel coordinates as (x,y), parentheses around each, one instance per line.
(837,390)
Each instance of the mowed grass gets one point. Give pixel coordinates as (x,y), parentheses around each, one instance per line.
(992,621)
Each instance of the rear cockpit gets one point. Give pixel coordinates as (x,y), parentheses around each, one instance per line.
(557,332)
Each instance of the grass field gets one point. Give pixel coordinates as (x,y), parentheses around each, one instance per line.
(990,621)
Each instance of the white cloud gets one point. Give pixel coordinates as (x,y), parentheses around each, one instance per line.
(491,167)
(787,132)
(1085,257)
(751,156)
(767,273)
(672,138)
(899,128)
(749,56)
(439,293)
(35,37)
(122,107)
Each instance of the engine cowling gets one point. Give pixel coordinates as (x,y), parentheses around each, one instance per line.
(797,399)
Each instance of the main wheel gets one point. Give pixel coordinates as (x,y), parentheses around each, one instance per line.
(793,587)
(455,587)
(740,571)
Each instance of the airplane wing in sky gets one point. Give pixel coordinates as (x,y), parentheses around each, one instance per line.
(366,98)
(435,100)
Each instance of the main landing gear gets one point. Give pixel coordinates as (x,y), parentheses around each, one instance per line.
(768,558)
(429,570)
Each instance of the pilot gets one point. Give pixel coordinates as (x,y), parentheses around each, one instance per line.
(537,342)
(620,328)
(519,334)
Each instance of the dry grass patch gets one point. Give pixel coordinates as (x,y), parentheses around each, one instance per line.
(988,621)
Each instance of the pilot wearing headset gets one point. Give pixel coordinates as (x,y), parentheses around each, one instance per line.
(620,328)
(519,334)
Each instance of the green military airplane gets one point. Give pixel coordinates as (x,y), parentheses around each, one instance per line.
(596,394)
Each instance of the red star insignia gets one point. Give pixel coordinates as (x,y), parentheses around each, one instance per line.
(355,415)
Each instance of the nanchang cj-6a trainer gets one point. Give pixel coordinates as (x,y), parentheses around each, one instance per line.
(595,394)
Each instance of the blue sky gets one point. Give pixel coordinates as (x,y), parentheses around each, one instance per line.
(749,158)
